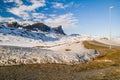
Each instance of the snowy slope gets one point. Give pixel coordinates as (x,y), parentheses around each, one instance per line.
(13,40)
(26,34)
(19,55)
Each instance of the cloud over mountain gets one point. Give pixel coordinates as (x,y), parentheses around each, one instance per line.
(23,10)
(40,10)
(66,20)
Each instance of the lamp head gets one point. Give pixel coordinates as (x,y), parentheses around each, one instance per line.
(111,7)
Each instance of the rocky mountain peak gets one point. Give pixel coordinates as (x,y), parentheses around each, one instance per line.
(59,30)
(38,26)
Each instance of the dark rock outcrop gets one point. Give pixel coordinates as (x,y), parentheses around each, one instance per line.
(14,25)
(38,26)
(59,30)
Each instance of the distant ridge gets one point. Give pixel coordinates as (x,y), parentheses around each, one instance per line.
(36,26)
(33,30)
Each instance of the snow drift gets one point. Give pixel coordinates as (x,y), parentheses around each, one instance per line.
(18,55)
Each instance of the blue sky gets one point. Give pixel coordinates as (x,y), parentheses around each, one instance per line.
(76,16)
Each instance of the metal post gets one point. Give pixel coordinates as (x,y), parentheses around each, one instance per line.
(110,25)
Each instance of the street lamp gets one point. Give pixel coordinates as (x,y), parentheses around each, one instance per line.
(110,24)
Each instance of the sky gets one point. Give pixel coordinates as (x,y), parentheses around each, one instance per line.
(89,17)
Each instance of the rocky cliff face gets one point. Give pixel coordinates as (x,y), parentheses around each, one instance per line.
(38,26)
(13,25)
(59,30)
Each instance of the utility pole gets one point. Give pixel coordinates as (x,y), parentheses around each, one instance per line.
(110,24)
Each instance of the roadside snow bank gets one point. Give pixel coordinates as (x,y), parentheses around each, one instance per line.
(10,55)
(113,41)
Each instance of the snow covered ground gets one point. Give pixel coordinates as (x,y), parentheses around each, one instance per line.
(113,41)
(13,40)
(10,55)
(20,50)
(67,50)
(21,47)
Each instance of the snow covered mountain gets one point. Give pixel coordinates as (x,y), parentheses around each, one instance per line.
(29,34)
(35,30)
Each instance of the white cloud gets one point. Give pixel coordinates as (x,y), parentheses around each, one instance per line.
(6,1)
(46,8)
(58,5)
(23,11)
(61,5)
(3,19)
(18,2)
(38,16)
(66,20)
(52,15)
